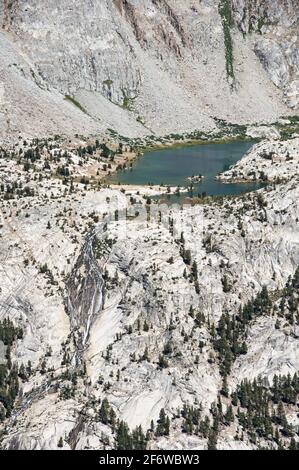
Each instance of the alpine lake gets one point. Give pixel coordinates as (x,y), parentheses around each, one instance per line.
(175,166)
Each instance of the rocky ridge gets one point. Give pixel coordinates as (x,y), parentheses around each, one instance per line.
(122,62)
(165,279)
(126,323)
(276,43)
(271,161)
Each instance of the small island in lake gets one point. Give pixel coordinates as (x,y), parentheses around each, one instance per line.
(195,178)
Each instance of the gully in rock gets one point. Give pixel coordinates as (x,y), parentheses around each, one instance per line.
(85,294)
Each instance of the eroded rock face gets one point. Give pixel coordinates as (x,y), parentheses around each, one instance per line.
(142,67)
(101,309)
(85,294)
(267,161)
(149,308)
(277,46)
(254,15)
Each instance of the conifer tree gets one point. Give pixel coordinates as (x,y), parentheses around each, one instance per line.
(104,411)
(212,440)
(123,437)
(229,415)
(163,424)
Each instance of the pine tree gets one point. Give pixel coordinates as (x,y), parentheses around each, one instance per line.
(194,270)
(212,440)
(152,426)
(281,414)
(163,424)
(139,441)
(224,390)
(229,415)
(145,356)
(104,411)
(163,363)
(204,427)
(123,437)
(112,418)
(225,284)
(293,444)
(187,257)
(22,373)
(167,348)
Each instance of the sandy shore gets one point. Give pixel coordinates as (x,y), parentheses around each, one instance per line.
(147,190)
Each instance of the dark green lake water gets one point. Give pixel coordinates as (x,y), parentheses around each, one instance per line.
(173,167)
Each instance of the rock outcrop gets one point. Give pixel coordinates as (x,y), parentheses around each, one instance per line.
(167,326)
(268,162)
(144,67)
(275,24)
(169,276)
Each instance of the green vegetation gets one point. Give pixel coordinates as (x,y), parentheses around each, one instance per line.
(227,22)
(75,103)
(127,101)
(163,424)
(256,408)
(262,21)
(108,83)
(255,24)
(261,409)
(288,308)
(140,120)
(227,132)
(125,440)
(9,333)
(229,338)
(289,128)
(10,373)
(9,388)
(60,442)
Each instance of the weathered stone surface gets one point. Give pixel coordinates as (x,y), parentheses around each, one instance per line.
(274,26)
(99,296)
(267,161)
(146,280)
(140,67)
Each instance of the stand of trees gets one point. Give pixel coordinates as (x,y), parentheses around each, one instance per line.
(9,333)
(229,339)
(9,373)
(124,438)
(261,410)
(127,440)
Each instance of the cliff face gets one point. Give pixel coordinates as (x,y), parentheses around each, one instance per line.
(277,45)
(166,309)
(265,15)
(171,65)
(148,343)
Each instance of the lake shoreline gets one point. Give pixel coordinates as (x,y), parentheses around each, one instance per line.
(152,190)
(140,151)
(196,142)
(168,169)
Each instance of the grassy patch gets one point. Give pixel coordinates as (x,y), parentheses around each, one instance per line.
(127,101)
(75,103)
(227,22)
(108,83)
(289,129)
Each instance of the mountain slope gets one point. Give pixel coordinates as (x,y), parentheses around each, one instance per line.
(127,310)
(130,59)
